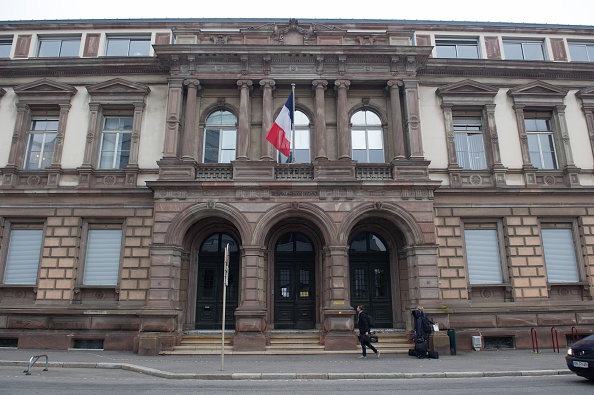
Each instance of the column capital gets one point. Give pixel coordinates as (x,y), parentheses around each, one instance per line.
(394,84)
(193,83)
(342,84)
(322,84)
(267,83)
(244,84)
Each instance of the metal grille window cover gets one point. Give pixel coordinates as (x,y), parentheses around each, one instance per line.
(498,342)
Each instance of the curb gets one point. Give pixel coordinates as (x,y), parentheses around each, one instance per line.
(289,376)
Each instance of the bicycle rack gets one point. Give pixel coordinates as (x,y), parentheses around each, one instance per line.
(574,334)
(534,341)
(555,339)
(32,362)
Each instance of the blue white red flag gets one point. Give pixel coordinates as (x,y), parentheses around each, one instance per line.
(279,134)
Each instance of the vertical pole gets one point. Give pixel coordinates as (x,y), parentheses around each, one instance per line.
(225,282)
(293,125)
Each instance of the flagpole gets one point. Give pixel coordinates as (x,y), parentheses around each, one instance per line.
(293,125)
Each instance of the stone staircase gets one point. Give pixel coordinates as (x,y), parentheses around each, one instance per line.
(285,342)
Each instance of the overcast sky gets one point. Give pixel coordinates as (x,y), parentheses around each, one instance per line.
(558,12)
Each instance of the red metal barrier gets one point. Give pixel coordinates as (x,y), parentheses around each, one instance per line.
(555,339)
(574,334)
(534,341)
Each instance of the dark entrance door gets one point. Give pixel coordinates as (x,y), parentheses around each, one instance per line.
(370,277)
(209,295)
(294,282)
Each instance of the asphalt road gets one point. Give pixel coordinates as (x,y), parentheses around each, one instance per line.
(114,381)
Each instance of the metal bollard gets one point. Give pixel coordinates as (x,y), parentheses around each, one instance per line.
(33,360)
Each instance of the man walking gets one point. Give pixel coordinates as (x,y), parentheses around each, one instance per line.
(363,322)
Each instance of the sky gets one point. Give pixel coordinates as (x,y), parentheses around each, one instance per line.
(555,12)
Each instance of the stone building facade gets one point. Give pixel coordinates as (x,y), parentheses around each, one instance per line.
(439,164)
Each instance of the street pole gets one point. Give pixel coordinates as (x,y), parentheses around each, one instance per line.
(225,283)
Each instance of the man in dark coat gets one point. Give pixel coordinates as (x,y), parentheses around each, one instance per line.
(363,323)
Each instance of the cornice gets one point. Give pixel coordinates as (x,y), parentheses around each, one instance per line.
(508,68)
(80,66)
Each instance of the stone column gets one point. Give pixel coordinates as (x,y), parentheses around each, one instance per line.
(321,146)
(174,105)
(344,134)
(338,322)
(250,317)
(450,138)
(92,133)
(396,111)
(267,88)
(423,275)
(413,119)
(565,141)
(489,115)
(589,113)
(19,135)
(243,129)
(136,128)
(519,109)
(62,121)
(189,135)
(165,277)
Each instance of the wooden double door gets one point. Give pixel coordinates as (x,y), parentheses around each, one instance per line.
(294,283)
(209,292)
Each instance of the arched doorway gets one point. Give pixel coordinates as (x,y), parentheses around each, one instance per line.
(209,291)
(369,265)
(294,282)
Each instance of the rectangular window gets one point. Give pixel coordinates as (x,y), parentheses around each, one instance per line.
(24,253)
(457,48)
(128,46)
(470,147)
(523,50)
(560,258)
(541,142)
(41,143)
(5,46)
(115,142)
(102,262)
(581,52)
(219,145)
(482,256)
(58,47)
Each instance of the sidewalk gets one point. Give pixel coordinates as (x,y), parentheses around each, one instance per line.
(271,367)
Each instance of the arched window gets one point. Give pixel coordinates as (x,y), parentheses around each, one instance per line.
(220,137)
(301,142)
(366,137)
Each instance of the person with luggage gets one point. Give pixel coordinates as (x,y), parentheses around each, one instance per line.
(364,329)
(423,327)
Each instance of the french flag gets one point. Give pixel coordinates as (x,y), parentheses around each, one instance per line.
(279,134)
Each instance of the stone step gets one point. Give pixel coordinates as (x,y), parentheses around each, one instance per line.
(284,342)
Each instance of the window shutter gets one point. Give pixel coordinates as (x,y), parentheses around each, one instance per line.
(560,257)
(482,256)
(423,39)
(91,45)
(22,46)
(22,263)
(492,47)
(558,47)
(162,38)
(102,263)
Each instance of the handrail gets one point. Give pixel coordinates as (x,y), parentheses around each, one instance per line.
(534,341)
(555,339)
(574,334)
(34,359)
